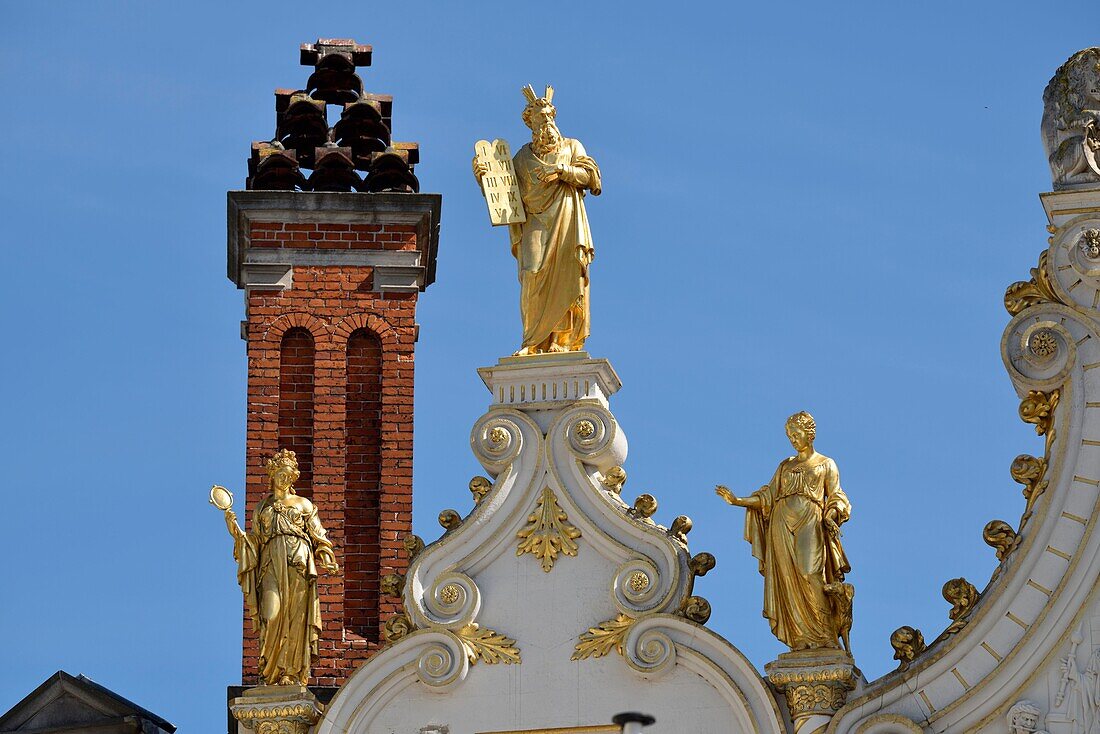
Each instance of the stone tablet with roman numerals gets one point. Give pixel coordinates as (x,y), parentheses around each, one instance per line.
(499,185)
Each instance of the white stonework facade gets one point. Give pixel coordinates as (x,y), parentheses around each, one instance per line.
(673,668)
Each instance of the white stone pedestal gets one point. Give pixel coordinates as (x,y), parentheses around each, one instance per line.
(276,710)
(543,383)
(815,683)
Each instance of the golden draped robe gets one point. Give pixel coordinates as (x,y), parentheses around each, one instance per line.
(277,558)
(798,554)
(553,248)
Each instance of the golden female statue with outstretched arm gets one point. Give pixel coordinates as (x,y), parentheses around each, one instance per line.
(793,524)
(277,569)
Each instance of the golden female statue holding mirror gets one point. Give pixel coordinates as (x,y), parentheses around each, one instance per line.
(277,569)
(793,524)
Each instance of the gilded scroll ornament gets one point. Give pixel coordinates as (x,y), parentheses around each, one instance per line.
(693,607)
(999,535)
(548,532)
(412,544)
(488,646)
(963,596)
(614,479)
(450,520)
(397,627)
(908,644)
(793,524)
(392,584)
(645,507)
(479,487)
(679,529)
(277,563)
(600,640)
(553,246)
(697,609)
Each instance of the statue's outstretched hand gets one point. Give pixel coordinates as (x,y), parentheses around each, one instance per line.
(724,492)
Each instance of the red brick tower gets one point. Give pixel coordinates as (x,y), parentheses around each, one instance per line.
(331,265)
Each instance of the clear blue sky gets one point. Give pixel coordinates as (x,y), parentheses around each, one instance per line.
(807,206)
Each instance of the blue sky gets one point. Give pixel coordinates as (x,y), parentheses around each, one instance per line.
(807,206)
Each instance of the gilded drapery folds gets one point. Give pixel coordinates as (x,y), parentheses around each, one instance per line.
(553,248)
(277,570)
(793,525)
(798,554)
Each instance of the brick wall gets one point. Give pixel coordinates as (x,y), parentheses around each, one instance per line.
(359,431)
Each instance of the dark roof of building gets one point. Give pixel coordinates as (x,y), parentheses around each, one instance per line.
(66,703)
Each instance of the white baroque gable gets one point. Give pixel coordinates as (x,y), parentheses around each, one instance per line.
(477,599)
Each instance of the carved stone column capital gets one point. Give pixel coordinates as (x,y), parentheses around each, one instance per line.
(277,710)
(814,682)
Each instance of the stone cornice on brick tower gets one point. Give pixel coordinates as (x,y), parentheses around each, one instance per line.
(267,259)
(332,264)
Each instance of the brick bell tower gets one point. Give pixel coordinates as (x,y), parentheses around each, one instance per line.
(332,242)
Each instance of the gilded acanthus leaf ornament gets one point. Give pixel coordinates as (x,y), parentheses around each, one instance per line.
(548,532)
(1025,293)
(1030,471)
(999,535)
(601,640)
(488,646)
(908,644)
(962,595)
(1038,409)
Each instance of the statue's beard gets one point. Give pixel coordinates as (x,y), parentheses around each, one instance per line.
(546,139)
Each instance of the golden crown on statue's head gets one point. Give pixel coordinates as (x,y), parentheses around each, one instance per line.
(283,459)
(532,98)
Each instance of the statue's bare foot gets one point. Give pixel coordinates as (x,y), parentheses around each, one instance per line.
(557,348)
(522,352)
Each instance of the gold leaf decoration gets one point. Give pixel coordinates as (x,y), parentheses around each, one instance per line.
(548,532)
(601,640)
(1024,293)
(1000,536)
(488,646)
(1038,409)
(963,596)
(396,627)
